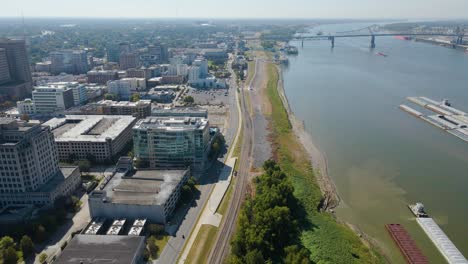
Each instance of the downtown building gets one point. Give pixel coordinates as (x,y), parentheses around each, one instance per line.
(69,61)
(100,138)
(15,73)
(29,168)
(172,142)
(102,77)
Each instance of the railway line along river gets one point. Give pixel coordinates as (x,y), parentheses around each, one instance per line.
(380,157)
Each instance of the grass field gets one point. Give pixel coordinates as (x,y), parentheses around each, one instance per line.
(227,197)
(200,250)
(327,240)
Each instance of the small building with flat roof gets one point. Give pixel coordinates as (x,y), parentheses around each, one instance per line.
(149,194)
(100,249)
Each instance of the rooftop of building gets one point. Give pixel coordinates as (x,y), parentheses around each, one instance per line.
(193,111)
(99,249)
(145,187)
(9,125)
(89,128)
(60,177)
(172,123)
(124,103)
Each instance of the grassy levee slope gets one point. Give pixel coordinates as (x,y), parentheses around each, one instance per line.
(326,239)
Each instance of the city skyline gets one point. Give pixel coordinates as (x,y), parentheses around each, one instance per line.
(320,9)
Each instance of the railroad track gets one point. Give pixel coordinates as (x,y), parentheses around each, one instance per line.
(221,249)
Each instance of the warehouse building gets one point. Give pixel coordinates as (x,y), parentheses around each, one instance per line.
(149,194)
(103,249)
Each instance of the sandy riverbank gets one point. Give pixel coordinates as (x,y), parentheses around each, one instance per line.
(317,158)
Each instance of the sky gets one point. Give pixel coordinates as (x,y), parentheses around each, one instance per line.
(417,9)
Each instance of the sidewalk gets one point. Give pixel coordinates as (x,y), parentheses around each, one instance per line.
(209,215)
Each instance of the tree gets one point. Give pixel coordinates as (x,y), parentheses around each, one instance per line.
(84,165)
(39,233)
(189,99)
(110,96)
(152,247)
(27,246)
(6,242)
(25,117)
(296,255)
(43,257)
(9,256)
(135,97)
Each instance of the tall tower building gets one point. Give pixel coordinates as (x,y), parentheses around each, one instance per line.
(4,70)
(29,156)
(15,57)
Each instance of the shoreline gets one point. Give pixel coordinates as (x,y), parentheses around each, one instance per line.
(316,157)
(319,163)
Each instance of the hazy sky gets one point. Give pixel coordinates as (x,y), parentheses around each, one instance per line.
(238,8)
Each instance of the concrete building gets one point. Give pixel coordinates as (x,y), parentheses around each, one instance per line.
(99,137)
(79,90)
(99,249)
(29,170)
(120,88)
(69,61)
(159,96)
(180,112)
(172,142)
(129,60)
(194,73)
(113,52)
(140,109)
(4,69)
(44,66)
(48,99)
(15,73)
(102,77)
(216,55)
(136,84)
(210,82)
(149,194)
(202,64)
(26,107)
(139,73)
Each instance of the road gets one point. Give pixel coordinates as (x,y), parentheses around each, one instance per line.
(176,243)
(222,246)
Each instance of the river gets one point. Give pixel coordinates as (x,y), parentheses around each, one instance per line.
(380,157)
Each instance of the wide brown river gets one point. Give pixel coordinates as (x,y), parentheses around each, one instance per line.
(380,157)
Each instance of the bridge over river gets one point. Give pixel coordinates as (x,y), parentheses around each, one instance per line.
(458,35)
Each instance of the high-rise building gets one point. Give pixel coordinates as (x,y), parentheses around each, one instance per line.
(129,60)
(172,142)
(69,61)
(113,52)
(14,57)
(29,163)
(203,65)
(194,73)
(4,70)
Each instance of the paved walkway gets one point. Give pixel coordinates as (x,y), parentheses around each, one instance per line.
(209,215)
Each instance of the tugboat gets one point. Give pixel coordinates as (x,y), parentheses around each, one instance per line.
(418,210)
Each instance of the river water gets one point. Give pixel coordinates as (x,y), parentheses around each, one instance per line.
(380,157)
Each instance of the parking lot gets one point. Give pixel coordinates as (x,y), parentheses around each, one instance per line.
(209,96)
